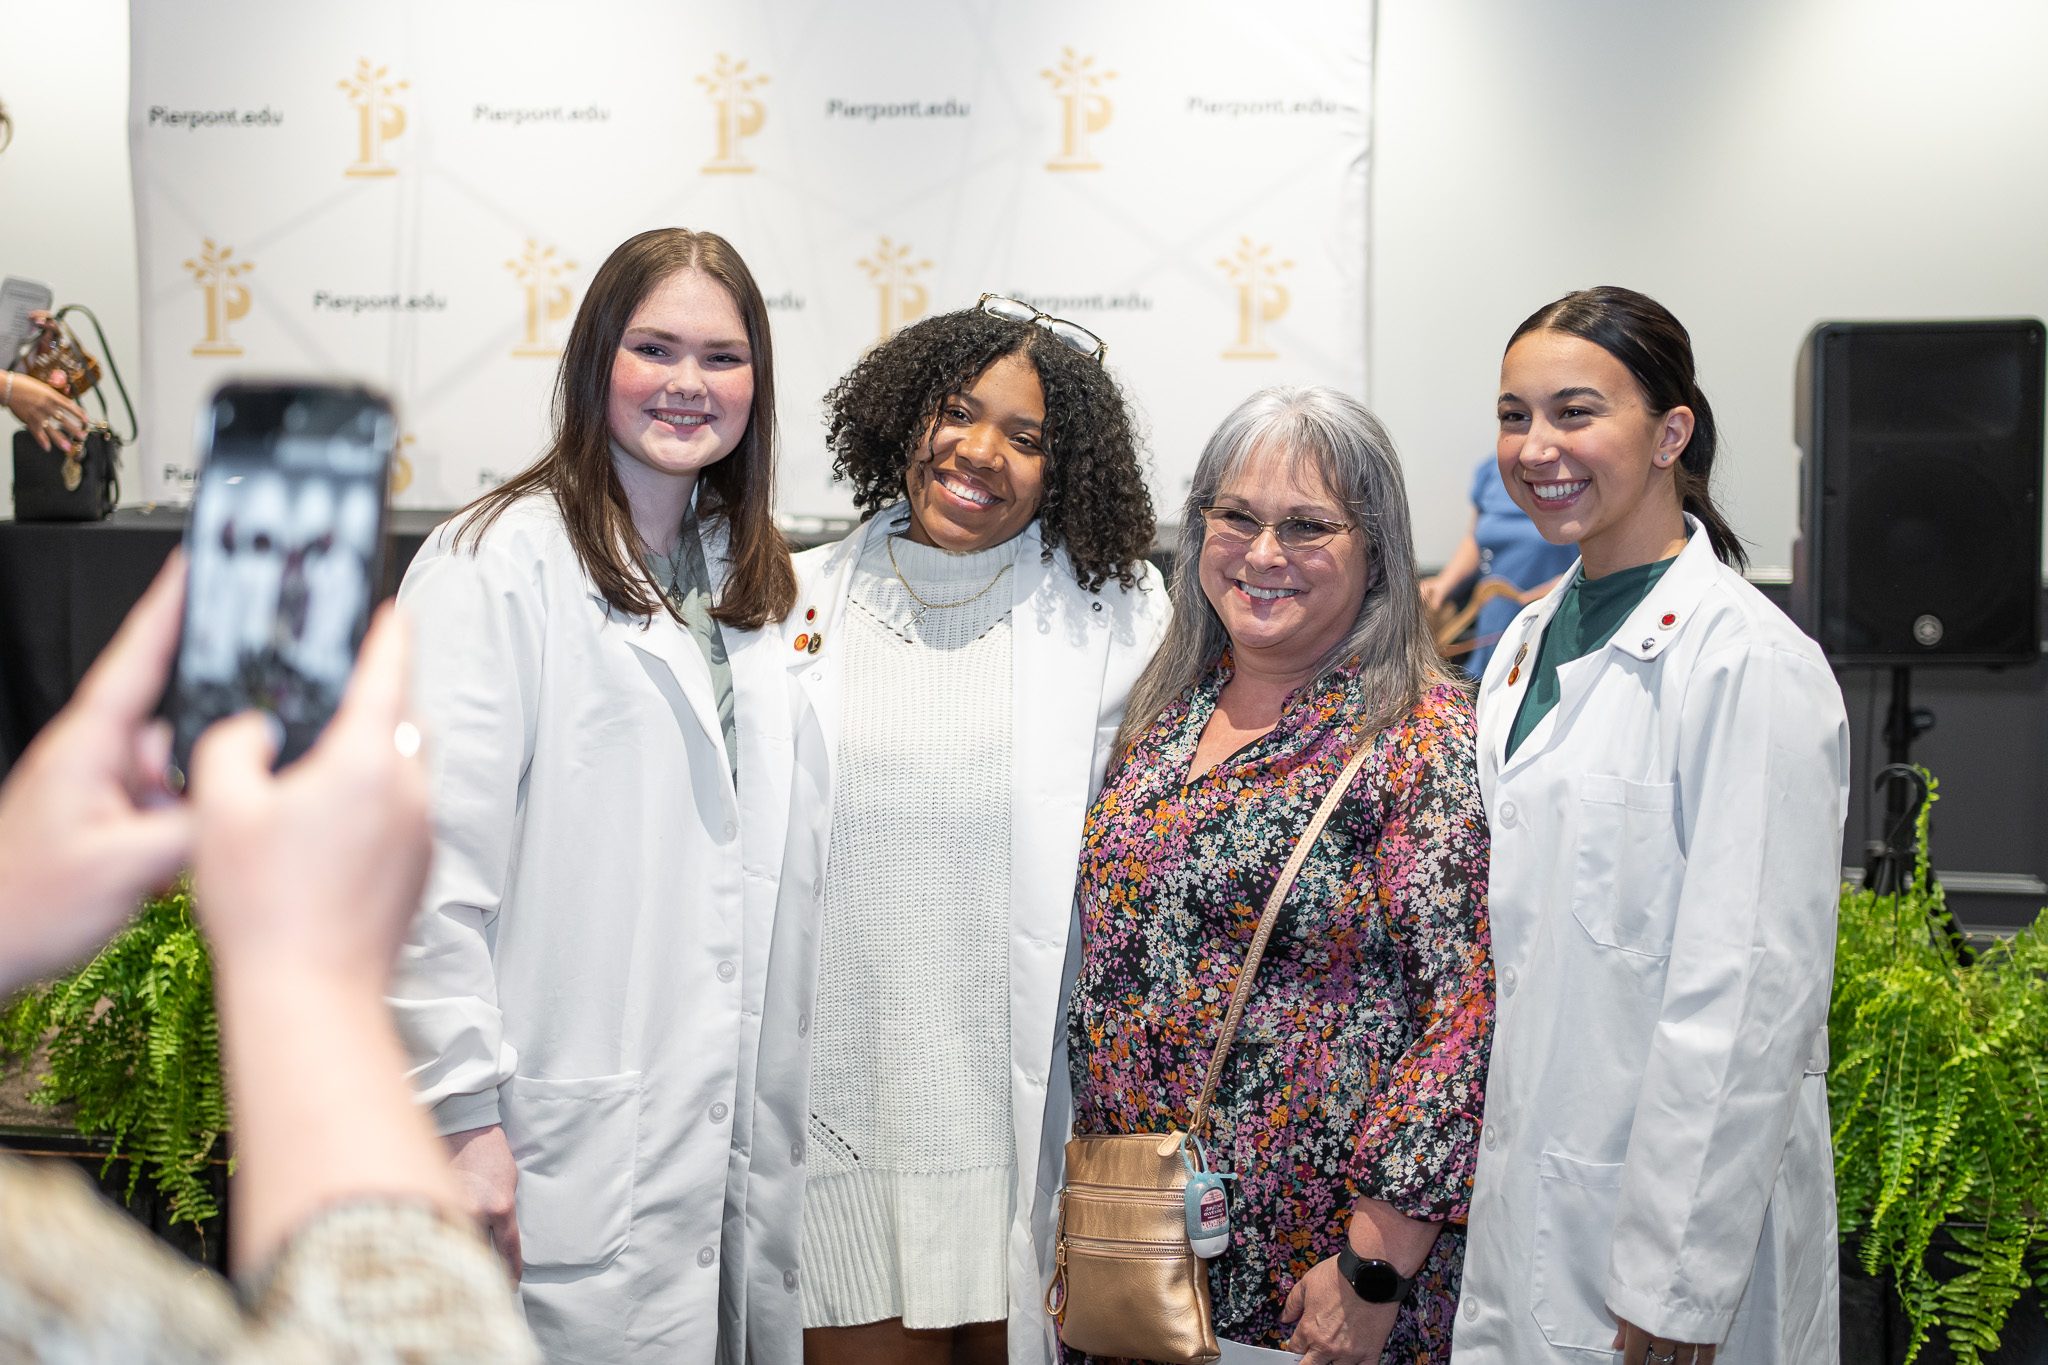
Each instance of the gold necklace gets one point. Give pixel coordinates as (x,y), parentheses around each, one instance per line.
(917,617)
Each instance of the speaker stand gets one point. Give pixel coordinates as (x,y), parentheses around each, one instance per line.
(1903,724)
(1889,863)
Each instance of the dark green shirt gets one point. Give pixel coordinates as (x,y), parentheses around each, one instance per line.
(1592,610)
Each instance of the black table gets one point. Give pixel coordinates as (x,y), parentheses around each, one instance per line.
(64,587)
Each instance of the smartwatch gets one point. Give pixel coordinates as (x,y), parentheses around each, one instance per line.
(1373,1281)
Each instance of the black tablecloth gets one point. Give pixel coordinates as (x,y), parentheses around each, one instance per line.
(64,588)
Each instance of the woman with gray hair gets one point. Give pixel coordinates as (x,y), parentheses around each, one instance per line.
(1349,1111)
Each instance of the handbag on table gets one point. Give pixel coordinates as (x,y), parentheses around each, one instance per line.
(83,483)
(1126,1279)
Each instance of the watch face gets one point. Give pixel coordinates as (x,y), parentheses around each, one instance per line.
(1377,1282)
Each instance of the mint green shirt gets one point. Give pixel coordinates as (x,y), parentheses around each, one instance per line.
(685,579)
(1592,610)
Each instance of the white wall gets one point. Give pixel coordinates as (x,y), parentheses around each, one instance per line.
(66,215)
(1757,165)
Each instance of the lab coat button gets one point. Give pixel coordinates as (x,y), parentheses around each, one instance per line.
(817,676)
(803,1025)
(706,1256)
(789,1280)
(1471,1307)
(718,1112)
(730,830)
(726,971)
(1507,981)
(796,1152)
(1492,1137)
(1507,814)
(818,888)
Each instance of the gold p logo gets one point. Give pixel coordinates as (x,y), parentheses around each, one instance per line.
(401,465)
(739,114)
(1261,298)
(378,118)
(1084,109)
(216,273)
(540,275)
(894,273)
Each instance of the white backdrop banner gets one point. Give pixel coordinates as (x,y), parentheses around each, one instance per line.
(416,194)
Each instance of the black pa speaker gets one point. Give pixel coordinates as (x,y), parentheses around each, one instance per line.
(1920,491)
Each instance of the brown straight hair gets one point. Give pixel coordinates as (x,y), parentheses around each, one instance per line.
(577,471)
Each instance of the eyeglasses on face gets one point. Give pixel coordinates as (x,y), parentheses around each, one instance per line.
(1239,526)
(1070,334)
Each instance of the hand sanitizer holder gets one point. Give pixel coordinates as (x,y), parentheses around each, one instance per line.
(1208,1205)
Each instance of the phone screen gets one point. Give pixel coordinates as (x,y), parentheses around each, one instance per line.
(284,550)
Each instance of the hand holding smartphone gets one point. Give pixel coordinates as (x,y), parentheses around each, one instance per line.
(285,547)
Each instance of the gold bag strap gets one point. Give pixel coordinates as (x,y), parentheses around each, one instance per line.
(1265,931)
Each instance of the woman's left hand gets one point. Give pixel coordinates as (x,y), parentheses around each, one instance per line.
(1637,1345)
(1336,1327)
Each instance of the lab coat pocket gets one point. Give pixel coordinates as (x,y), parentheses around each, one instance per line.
(1568,1268)
(575,1142)
(1630,869)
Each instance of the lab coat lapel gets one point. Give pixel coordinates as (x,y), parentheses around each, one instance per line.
(1642,636)
(673,661)
(1059,655)
(821,610)
(1506,703)
(1663,616)
(1059,651)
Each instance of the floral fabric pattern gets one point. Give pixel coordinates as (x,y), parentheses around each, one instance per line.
(1360,1065)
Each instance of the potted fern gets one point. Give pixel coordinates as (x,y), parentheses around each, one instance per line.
(132,1041)
(1938,1090)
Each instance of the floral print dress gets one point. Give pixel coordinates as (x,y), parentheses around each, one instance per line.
(1360,1064)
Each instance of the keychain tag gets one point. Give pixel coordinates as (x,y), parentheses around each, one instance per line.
(1208,1207)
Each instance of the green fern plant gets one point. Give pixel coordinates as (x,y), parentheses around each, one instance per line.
(1939,1093)
(133,1041)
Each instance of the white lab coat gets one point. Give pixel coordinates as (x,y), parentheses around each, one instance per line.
(592,965)
(1666,855)
(1074,656)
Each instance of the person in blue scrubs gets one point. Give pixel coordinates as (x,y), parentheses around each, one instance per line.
(1503,543)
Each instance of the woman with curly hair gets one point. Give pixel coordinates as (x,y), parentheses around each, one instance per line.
(966,653)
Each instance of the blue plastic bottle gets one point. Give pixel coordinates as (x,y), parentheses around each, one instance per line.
(1208,1207)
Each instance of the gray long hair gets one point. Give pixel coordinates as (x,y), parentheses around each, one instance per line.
(1397,659)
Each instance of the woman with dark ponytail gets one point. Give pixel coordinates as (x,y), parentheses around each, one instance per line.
(1664,760)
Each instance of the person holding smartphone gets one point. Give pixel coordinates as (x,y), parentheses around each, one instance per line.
(588,983)
(305,882)
(1664,759)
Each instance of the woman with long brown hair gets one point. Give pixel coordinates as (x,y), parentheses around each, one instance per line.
(587,985)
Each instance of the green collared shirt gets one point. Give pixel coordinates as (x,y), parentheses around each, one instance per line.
(685,580)
(1592,610)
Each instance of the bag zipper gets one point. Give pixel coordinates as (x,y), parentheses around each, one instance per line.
(1111,1194)
(1129,1251)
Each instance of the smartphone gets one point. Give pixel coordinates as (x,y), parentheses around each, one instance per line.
(284,552)
(19,298)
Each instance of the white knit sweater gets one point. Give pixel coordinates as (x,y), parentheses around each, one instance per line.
(911,1156)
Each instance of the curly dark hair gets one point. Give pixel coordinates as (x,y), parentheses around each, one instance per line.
(1096,503)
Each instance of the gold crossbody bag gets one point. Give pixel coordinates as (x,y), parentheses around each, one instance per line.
(1126,1280)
